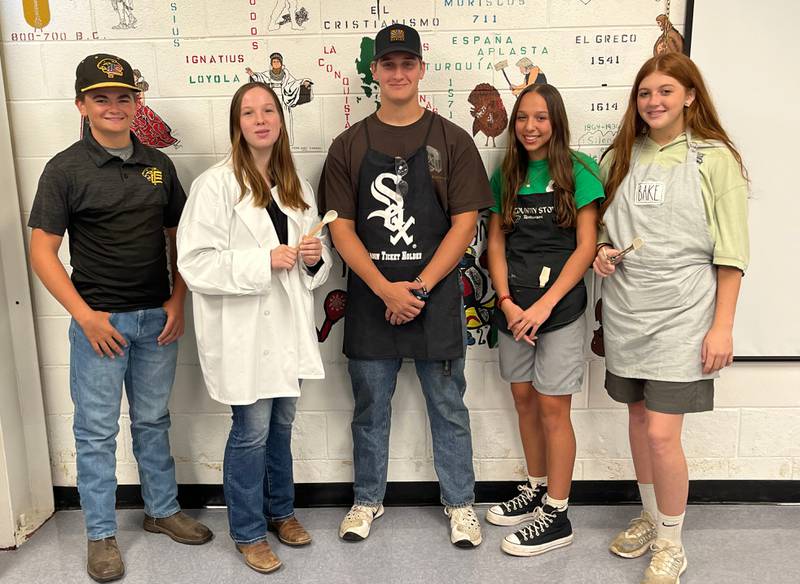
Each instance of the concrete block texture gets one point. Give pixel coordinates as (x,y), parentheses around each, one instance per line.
(193,58)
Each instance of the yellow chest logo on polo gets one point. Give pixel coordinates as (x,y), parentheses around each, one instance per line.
(154,175)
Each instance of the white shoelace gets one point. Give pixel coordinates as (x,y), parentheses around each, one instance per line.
(526,495)
(638,527)
(464,516)
(667,560)
(541,521)
(360,512)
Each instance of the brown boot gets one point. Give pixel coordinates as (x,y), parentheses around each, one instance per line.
(259,556)
(179,527)
(104,562)
(290,531)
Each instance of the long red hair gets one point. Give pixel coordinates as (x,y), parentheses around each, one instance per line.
(700,117)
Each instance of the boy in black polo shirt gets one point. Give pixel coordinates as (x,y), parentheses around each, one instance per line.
(116,198)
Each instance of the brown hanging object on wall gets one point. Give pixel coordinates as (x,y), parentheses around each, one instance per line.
(37,12)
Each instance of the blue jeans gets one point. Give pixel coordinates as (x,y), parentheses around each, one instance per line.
(257,477)
(443,386)
(96,388)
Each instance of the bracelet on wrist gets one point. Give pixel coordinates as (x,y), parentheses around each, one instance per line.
(422,285)
(502,299)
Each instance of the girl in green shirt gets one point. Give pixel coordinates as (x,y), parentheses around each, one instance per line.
(542,237)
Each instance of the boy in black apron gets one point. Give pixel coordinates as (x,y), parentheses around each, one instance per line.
(408,186)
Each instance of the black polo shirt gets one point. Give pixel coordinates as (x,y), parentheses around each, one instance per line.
(115,213)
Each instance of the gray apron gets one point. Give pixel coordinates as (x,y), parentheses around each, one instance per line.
(659,304)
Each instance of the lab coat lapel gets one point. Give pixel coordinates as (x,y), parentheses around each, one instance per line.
(257,221)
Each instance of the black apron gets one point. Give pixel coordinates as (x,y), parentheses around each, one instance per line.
(401,234)
(535,242)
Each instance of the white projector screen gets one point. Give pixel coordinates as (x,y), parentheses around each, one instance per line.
(749,53)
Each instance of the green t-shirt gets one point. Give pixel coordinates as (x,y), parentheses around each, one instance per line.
(725,193)
(588,187)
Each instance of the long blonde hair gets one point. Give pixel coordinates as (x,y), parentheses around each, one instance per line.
(700,117)
(280,169)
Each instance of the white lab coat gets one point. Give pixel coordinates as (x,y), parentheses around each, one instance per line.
(255,328)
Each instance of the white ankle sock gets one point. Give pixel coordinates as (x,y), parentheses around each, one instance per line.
(648,494)
(557,503)
(537,480)
(669,527)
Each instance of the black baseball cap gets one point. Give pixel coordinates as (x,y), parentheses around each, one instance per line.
(397,37)
(103,70)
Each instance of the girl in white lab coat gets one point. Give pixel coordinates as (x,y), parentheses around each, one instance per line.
(674,180)
(244,255)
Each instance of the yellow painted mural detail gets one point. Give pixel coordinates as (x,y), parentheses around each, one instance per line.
(37,12)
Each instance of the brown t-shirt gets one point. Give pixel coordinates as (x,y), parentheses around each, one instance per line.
(457,170)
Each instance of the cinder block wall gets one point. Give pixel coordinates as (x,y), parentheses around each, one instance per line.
(193,54)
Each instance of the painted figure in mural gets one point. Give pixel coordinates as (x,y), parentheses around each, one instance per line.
(542,239)
(124,9)
(479,297)
(674,180)
(670,40)
(148,125)
(408,186)
(288,11)
(292,92)
(117,198)
(531,74)
(489,112)
(244,254)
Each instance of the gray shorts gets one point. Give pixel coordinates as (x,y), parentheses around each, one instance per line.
(667,397)
(555,365)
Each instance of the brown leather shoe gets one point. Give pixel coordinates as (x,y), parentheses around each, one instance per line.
(259,556)
(290,531)
(104,561)
(179,527)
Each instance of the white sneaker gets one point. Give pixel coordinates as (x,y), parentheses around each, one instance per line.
(636,539)
(666,565)
(465,529)
(356,524)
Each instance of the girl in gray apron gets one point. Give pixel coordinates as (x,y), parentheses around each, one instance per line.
(541,242)
(667,308)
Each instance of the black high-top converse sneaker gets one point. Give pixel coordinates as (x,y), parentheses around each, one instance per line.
(550,529)
(517,509)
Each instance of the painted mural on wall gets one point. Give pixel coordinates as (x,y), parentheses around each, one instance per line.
(333,307)
(148,126)
(670,41)
(37,13)
(293,92)
(288,12)
(368,84)
(488,111)
(316,55)
(124,10)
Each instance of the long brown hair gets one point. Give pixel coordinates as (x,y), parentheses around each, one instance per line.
(700,117)
(280,169)
(559,160)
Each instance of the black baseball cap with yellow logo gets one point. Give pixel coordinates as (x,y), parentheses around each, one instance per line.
(397,38)
(97,71)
